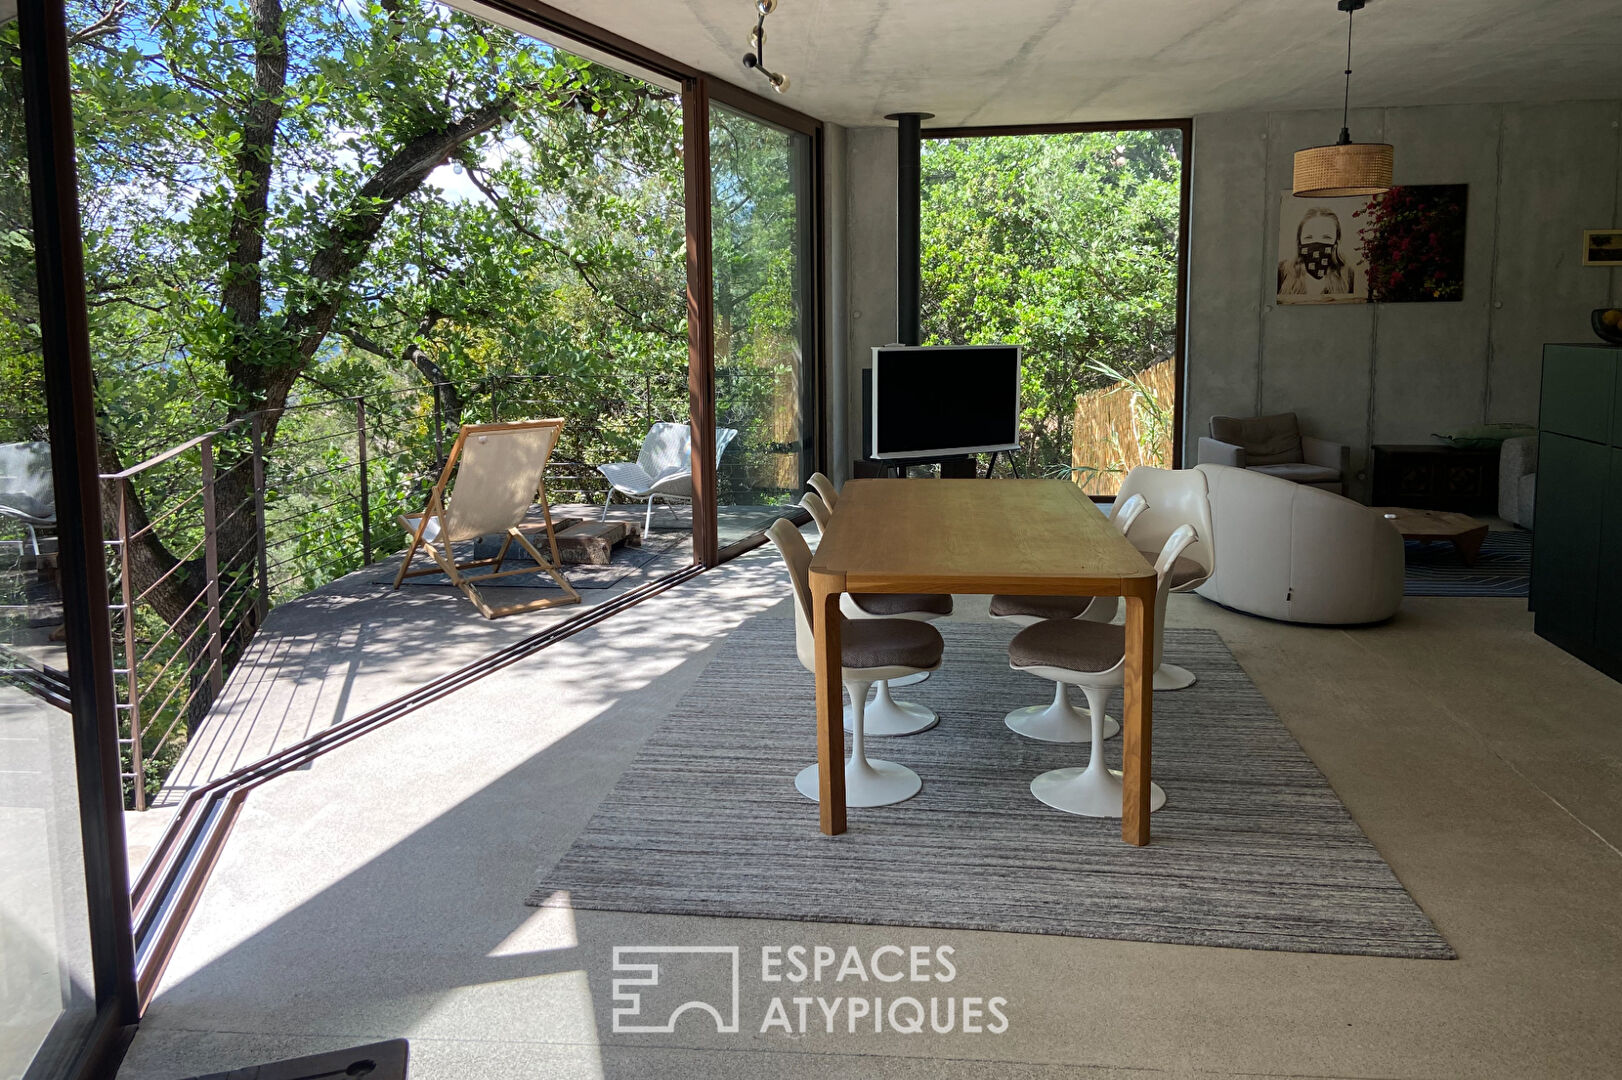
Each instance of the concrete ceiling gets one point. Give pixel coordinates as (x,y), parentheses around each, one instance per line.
(1030,61)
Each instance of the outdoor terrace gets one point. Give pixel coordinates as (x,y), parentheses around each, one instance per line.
(356,643)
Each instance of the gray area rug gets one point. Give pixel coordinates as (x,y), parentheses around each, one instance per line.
(1253,849)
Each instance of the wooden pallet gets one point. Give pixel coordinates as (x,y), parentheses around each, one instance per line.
(592,543)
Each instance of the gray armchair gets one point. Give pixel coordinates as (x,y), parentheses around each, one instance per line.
(1517,480)
(1275,446)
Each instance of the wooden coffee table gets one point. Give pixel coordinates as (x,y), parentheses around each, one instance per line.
(1428,525)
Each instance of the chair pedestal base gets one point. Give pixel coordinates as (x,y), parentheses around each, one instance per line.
(1058,721)
(868,782)
(1172,677)
(1091,792)
(887,716)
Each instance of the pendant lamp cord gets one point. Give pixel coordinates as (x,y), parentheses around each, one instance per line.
(1346,108)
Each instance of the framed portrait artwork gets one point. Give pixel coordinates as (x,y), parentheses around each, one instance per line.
(1405,245)
(1320,257)
(1602,247)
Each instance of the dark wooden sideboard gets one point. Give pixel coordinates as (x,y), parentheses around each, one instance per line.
(1435,476)
(1577,541)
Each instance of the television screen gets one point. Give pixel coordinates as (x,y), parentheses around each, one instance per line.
(945,400)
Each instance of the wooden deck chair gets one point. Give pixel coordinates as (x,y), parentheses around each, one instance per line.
(500,470)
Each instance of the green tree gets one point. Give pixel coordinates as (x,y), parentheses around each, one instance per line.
(258,211)
(1065,244)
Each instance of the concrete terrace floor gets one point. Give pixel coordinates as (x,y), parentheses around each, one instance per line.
(379,893)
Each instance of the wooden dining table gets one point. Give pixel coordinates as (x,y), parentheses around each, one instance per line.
(1027,537)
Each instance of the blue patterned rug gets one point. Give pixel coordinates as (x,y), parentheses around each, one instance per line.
(1502,569)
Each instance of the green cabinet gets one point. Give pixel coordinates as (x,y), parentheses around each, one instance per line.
(1577,543)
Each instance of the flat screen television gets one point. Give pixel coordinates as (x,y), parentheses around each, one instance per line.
(938,401)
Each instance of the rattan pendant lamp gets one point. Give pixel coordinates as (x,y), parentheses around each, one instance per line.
(1346,167)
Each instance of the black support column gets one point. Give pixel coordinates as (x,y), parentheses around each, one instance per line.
(908,260)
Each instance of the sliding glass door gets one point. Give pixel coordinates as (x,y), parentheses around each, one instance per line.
(65,968)
(762,215)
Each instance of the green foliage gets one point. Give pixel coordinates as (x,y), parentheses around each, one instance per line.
(22,390)
(555,244)
(1065,244)
(761,254)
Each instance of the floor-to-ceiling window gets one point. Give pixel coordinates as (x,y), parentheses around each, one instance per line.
(46,986)
(64,976)
(1070,244)
(762,216)
(292,280)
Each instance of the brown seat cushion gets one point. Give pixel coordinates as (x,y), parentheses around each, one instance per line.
(903,603)
(1041,607)
(1183,571)
(871,643)
(1268,440)
(1072,644)
(1300,472)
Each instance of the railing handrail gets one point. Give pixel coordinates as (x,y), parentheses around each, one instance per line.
(173,451)
(260,414)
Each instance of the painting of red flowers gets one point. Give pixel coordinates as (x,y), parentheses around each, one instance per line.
(1412,241)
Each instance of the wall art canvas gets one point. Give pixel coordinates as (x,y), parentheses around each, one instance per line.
(1602,247)
(1403,246)
(1413,243)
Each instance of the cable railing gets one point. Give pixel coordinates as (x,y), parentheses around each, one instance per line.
(206,537)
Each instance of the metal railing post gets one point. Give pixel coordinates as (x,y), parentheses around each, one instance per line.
(365,487)
(211,571)
(132,683)
(262,603)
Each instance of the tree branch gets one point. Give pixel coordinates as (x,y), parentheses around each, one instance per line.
(556,248)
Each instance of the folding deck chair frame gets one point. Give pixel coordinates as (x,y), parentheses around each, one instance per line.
(448,528)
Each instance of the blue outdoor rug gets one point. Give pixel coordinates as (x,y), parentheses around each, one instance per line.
(1503,568)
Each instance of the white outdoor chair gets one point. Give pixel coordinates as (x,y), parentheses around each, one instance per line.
(500,471)
(1059,720)
(1092,656)
(663,469)
(27,491)
(872,650)
(1176,497)
(886,715)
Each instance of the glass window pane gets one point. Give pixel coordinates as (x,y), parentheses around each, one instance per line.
(46,995)
(1066,244)
(762,217)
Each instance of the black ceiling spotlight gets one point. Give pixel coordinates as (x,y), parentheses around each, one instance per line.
(757,41)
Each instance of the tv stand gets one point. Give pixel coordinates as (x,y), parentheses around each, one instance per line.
(959,467)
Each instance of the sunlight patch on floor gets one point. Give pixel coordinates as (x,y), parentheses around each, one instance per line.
(546,929)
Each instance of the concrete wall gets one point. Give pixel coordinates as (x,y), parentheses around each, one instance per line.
(1391,373)
(870,296)
(1359,374)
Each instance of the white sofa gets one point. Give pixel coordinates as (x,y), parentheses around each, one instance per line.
(1300,554)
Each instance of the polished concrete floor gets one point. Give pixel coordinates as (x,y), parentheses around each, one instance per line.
(379,893)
